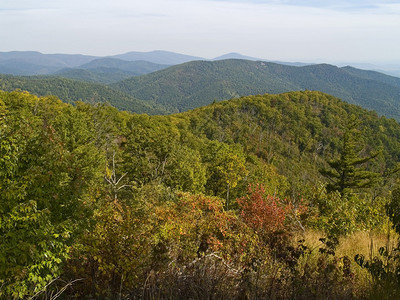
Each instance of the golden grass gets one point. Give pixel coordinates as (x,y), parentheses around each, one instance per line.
(362,242)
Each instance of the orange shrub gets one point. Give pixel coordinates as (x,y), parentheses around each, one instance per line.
(267,214)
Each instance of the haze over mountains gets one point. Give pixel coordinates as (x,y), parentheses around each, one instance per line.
(36,63)
(166,82)
(109,70)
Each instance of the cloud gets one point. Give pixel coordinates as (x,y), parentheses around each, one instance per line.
(342,5)
(283,30)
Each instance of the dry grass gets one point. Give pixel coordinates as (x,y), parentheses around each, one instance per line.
(363,242)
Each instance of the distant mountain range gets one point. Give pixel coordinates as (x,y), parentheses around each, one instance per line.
(165,82)
(99,69)
(36,63)
(198,83)
(158,57)
(109,70)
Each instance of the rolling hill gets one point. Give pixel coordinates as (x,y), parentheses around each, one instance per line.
(136,67)
(110,70)
(72,90)
(158,57)
(194,83)
(287,128)
(199,83)
(36,63)
(187,177)
(26,63)
(235,55)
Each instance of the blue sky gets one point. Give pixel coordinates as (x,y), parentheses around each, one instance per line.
(288,30)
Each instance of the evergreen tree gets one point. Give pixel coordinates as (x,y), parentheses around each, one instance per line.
(348,171)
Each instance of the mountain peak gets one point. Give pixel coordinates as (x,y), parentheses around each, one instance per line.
(158,57)
(235,55)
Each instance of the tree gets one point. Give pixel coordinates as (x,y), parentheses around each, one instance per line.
(49,177)
(347,171)
(268,214)
(226,168)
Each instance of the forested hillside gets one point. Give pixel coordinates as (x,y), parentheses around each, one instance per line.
(26,63)
(199,83)
(158,57)
(215,202)
(73,90)
(36,63)
(110,70)
(164,90)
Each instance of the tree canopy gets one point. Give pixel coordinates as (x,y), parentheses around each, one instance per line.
(132,205)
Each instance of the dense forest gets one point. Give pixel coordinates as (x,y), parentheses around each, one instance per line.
(146,87)
(110,70)
(197,83)
(75,90)
(268,196)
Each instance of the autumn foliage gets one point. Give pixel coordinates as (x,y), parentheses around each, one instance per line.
(267,213)
(101,204)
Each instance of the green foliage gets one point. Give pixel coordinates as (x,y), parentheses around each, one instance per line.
(160,229)
(155,151)
(135,205)
(393,209)
(199,83)
(346,173)
(296,133)
(339,215)
(110,70)
(50,168)
(31,251)
(73,90)
(267,176)
(117,251)
(226,168)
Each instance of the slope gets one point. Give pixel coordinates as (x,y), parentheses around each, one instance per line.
(158,57)
(297,131)
(110,70)
(71,90)
(199,83)
(36,63)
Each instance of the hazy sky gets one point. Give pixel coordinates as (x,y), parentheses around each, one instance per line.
(290,30)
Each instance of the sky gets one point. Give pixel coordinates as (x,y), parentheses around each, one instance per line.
(331,31)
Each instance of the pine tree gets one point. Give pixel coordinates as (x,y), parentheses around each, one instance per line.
(348,171)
